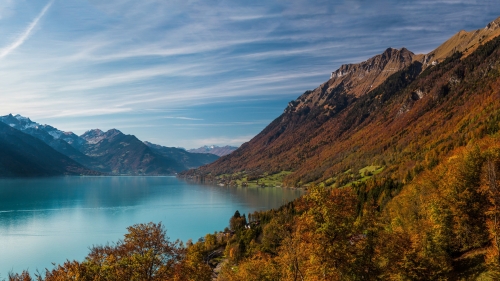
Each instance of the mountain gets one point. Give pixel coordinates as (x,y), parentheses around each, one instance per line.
(110,152)
(24,155)
(216,150)
(284,144)
(391,112)
(189,159)
(126,154)
(66,143)
(41,131)
(94,136)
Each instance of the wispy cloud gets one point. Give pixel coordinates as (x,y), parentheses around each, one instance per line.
(25,35)
(183,118)
(90,112)
(225,124)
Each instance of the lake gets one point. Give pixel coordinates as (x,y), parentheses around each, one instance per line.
(49,220)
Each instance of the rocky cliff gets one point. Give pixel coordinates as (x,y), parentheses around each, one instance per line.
(355,80)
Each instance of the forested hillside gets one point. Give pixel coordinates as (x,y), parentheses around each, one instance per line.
(399,128)
(433,214)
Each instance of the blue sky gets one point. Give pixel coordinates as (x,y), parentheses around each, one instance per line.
(191,73)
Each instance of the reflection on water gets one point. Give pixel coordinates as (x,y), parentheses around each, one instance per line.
(51,219)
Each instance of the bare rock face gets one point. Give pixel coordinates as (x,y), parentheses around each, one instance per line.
(355,80)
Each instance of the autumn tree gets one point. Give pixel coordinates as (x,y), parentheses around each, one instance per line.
(237,221)
(491,186)
(323,246)
(24,276)
(145,254)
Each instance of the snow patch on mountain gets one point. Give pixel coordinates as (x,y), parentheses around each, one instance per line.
(55,134)
(42,132)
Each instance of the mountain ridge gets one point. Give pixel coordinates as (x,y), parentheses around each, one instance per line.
(464,42)
(26,156)
(351,81)
(330,130)
(110,152)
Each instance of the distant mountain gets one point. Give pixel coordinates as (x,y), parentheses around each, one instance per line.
(94,136)
(216,150)
(189,159)
(126,154)
(66,143)
(111,152)
(24,155)
(396,110)
(26,125)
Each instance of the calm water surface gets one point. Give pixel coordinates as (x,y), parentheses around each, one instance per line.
(54,219)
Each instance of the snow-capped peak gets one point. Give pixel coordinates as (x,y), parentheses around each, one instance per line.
(96,135)
(42,132)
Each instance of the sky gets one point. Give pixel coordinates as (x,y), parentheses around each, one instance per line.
(191,73)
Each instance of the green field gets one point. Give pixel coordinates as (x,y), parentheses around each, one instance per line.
(264,180)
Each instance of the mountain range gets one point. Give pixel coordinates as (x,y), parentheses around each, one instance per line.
(397,113)
(213,149)
(32,149)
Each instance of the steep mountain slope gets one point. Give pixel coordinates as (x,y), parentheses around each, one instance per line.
(216,150)
(24,155)
(405,125)
(187,159)
(284,144)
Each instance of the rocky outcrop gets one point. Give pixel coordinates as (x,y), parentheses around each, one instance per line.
(355,80)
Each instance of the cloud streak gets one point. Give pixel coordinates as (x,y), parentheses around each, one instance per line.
(25,35)
(183,118)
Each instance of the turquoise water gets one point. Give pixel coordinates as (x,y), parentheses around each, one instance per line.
(53,219)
